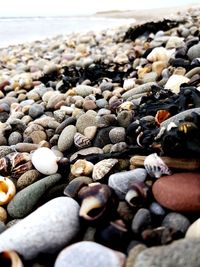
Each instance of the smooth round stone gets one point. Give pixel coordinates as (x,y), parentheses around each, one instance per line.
(47,230)
(101,103)
(174,42)
(85,120)
(176,221)
(38,136)
(102,137)
(36,110)
(174,82)
(14,138)
(87,254)
(178,192)
(141,221)
(194,230)
(26,199)
(66,138)
(3,215)
(27,178)
(150,77)
(117,135)
(124,118)
(83,90)
(194,51)
(89,104)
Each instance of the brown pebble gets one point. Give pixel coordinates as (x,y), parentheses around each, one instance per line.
(89,104)
(178,192)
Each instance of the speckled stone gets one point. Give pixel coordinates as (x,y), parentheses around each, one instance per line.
(14,138)
(46,230)
(89,104)
(117,135)
(178,192)
(85,120)
(66,138)
(194,51)
(26,199)
(176,221)
(36,110)
(27,179)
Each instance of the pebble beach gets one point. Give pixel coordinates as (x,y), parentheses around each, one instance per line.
(100,148)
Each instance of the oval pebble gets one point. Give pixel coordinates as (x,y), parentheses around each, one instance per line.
(66,138)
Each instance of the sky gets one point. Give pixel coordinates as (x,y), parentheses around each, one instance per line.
(78,7)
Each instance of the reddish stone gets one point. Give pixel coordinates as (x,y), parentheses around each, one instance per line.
(178,192)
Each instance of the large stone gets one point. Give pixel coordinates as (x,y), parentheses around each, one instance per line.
(180,253)
(25,200)
(46,230)
(178,192)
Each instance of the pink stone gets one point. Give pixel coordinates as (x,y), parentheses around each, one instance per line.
(178,192)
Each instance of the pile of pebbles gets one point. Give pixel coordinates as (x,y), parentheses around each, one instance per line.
(99,149)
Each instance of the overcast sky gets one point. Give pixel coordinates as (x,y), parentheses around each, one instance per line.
(72,7)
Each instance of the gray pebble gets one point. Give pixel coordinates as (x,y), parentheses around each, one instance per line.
(26,199)
(66,138)
(85,120)
(117,135)
(194,51)
(46,230)
(14,138)
(2,227)
(141,221)
(177,222)
(124,118)
(36,110)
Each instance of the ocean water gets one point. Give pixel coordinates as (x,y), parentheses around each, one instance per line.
(26,29)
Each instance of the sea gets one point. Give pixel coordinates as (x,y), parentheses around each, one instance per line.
(17,30)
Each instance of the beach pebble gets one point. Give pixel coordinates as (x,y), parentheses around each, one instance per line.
(27,179)
(26,199)
(14,138)
(141,221)
(178,192)
(124,118)
(180,253)
(85,120)
(66,138)
(2,227)
(89,104)
(3,215)
(175,82)
(36,110)
(90,132)
(44,160)
(194,51)
(177,222)
(194,230)
(117,135)
(174,42)
(47,230)
(88,253)
(83,90)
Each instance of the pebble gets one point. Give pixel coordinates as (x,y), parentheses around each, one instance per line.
(177,222)
(194,230)
(84,121)
(36,110)
(26,200)
(185,186)
(14,138)
(141,221)
(66,138)
(27,179)
(83,90)
(194,51)
(3,215)
(117,135)
(91,254)
(46,230)
(175,82)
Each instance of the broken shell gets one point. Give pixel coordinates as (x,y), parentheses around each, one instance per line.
(155,166)
(137,194)
(81,141)
(121,181)
(161,116)
(82,167)
(72,189)
(89,254)
(102,168)
(45,161)
(7,190)
(95,199)
(176,163)
(10,259)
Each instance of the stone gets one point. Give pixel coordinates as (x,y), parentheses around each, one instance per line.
(88,253)
(180,253)
(3,215)
(36,110)
(27,179)
(14,138)
(85,120)
(66,138)
(179,192)
(26,199)
(38,136)
(89,104)
(174,82)
(176,221)
(46,230)
(194,51)
(117,135)
(194,230)
(141,221)
(2,227)
(83,90)
(102,137)
(174,42)
(124,118)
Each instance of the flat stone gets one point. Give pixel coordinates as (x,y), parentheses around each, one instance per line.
(85,120)
(180,253)
(46,230)
(178,192)
(25,200)
(66,138)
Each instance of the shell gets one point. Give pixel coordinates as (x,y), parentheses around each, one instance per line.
(161,116)
(155,166)
(12,257)
(160,54)
(121,181)
(82,167)
(72,189)
(86,152)
(95,198)
(102,168)
(137,194)
(7,190)
(89,254)
(81,141)
(45,161)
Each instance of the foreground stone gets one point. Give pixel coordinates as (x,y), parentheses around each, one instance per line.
(46,230)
